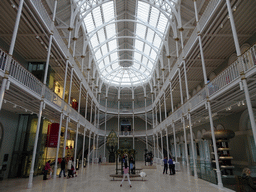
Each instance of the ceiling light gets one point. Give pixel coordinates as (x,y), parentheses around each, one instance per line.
(234,9)
(14,106)
(37,37)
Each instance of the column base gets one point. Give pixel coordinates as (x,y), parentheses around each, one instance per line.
(104,160)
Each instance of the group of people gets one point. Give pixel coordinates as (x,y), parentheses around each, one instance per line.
(70,166)
(171,164)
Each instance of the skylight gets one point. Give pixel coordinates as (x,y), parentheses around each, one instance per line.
(150,28)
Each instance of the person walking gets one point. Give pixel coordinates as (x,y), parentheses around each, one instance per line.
(165,165)
(171,166)
(70,171)
(62,165)
(126,173)
(100,159)
(47,167)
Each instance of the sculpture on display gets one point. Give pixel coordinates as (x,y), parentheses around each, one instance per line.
(112,143)
(223,150)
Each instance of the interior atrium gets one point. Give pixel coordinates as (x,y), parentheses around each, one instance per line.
(86,79)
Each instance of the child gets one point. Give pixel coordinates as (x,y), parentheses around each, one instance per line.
(126,173)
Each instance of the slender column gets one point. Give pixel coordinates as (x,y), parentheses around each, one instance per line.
(190,124)
(83,148)
(9,58)
(154,145)
(70,85)
(133,140)
(91,111)
(165,111)
(118,121)
(58,148)
(171,96)
(153,118)
(175,144)
(89,148)
(98,124)
(160,115)
(208,101)
(186,143)
(95,110)
(167,143)
(157,143)
(192,145)
(65,138)
(94,147)
(65,80)
(181,94)
(78,125)
(97,149)
(79,100)
(86,103)
(30,182)
(162,146)
(146,123)
(242,74)
(106,106)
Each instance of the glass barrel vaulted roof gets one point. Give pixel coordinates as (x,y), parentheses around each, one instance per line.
(102,30)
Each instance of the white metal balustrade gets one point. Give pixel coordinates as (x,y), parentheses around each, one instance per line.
(246,62)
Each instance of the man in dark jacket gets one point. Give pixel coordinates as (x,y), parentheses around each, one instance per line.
(171,166)
(165,165)
(62,165)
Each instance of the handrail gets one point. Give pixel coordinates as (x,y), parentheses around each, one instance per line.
(246,62)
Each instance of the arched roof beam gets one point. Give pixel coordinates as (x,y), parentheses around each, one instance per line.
(126,37)
(118,50)
(146,77)
(126,20)
(101,2)
(129,60)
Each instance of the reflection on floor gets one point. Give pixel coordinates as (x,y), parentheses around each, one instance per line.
(96,178)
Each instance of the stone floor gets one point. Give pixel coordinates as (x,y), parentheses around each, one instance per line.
(96,178)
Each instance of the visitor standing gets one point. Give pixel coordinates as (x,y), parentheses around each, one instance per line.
(47,167)
(171,166)
(62,165)
(165,165)
(70,171)
(100,159)
(126,173)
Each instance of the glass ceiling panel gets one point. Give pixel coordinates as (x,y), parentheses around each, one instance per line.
(150,24)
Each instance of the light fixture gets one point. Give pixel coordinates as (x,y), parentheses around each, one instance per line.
(243,103)
(14,106)
(37,36)
(234,9)
(4,101)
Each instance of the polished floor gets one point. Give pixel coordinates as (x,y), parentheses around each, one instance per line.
(96,178)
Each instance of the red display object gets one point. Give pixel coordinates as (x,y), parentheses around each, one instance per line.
(75,105)
(52,135)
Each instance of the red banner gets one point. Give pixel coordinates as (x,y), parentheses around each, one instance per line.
(52,135)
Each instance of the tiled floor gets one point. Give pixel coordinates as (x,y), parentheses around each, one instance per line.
(96,178)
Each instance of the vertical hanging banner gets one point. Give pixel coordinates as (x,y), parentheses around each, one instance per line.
(52,135)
